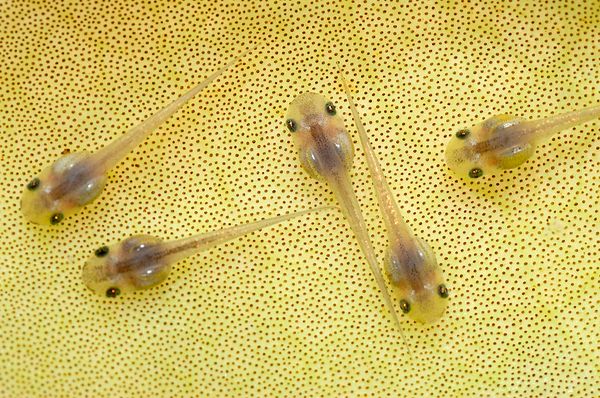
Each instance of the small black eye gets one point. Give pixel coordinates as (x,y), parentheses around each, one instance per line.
(56,218)
(443,291)
(462,134)
(33,184)
(330,108)
(291,125)
(102,251)
(475,173)
(113,292)
(404,306)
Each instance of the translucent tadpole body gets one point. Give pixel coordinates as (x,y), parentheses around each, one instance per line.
(75,180)
(326,152)
(505,142)
(410,263)
(143,261)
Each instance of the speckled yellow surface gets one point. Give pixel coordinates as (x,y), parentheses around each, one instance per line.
(293,310)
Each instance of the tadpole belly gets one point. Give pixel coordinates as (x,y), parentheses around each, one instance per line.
(329,159)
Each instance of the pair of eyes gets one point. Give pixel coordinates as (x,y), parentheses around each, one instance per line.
(442,291)
(292,125)
(55,218)
(111,292)
(475,172)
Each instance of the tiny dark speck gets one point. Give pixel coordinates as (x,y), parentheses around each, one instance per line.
(113,292)
(462,133)
(475,173)
(33,184)
(102,251)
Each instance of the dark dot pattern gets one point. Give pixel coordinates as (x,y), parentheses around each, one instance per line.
(293,310)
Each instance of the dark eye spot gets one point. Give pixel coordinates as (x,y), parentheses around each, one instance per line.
(33,184)
(462,134)
(102,251)
(443,291)
(56,218)
(404,306)
(113,292)
(475,173)
(330,108)
(291,125)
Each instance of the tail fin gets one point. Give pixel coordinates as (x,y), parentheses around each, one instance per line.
(112,154)
(192,245)
(544,128)
(342,189)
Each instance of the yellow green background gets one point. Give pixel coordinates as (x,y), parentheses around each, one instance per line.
(293,310)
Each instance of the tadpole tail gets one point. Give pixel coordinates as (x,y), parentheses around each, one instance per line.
(114,152)
(189,246)
(542,129)
(344,193)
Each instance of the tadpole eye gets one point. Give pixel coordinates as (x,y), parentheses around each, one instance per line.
(443,291)
(475,172)
(56,218)
(291,125)
(404,306)
(113,292)
(33,184)
(102,251)
(330,108)
(462,134)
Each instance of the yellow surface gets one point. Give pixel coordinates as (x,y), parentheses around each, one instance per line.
(293,310)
